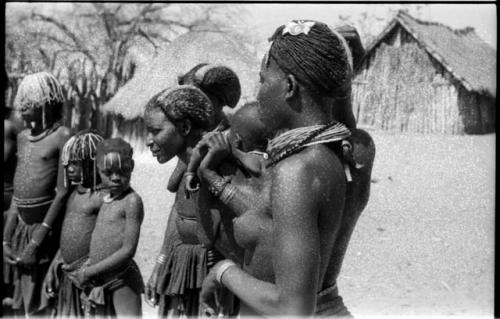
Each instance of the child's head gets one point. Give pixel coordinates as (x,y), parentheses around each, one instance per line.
(40,99)
(79,158)
(218,82)
(247,132)
(115,164)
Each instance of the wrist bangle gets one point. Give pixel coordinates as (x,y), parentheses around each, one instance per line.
(44,224)
(225,265)
(217,186)
(227,194)
(161,259)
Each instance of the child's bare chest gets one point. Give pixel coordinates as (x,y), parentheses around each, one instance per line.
(112,216)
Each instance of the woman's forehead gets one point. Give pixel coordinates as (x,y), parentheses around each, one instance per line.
(155,116)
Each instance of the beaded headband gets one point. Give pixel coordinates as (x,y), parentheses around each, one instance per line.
(112,158)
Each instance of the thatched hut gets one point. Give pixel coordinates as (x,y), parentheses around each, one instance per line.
(425,77)
(127,106)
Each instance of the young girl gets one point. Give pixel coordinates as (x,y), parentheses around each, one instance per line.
(39,190)
(111,279)
(79,160)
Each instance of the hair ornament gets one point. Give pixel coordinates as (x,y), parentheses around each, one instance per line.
(298,27)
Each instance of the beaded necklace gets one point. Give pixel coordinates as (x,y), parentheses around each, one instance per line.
(108,199)
(293,141)
(42,135)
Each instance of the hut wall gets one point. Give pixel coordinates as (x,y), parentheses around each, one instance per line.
(400,89)
(478,112)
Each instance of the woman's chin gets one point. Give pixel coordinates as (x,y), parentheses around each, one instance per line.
(162,159)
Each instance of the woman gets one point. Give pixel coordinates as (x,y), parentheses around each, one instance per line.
(176,119)
(296,228)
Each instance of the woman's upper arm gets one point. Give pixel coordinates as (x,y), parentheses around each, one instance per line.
(295,198)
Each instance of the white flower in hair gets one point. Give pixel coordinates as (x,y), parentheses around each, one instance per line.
(301,26)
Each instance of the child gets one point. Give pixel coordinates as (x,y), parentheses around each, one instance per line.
(111,279)
(31,231)
(248,139)
(79,160)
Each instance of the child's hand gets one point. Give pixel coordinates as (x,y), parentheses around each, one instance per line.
(28,256)
(79,277)
(8,255)
(49,285)
(151,295)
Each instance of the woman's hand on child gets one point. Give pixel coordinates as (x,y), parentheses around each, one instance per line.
(219,148)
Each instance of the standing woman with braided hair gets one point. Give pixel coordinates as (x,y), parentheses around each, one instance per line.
(296,229)
(176,118)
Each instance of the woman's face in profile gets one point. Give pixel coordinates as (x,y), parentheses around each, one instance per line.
(163,138)
(271,95)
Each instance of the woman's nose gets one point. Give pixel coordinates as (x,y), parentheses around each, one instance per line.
(149,139)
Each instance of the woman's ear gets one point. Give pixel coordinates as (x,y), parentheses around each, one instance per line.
(185,127)
(292,86)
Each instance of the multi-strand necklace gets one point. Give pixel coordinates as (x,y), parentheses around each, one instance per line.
(293,141)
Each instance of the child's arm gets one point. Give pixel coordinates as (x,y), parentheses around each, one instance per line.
(134,215)
(50,284)
(8,231)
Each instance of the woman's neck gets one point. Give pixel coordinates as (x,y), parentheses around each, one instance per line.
(311,114)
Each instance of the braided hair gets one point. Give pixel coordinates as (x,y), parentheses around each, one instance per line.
(184,102)
(219,83)
(82,148)
(317,58)
(41,90)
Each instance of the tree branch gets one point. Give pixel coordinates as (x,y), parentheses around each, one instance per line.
(81,47)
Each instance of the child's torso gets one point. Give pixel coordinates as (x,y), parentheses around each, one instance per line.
(108,234)
(79,222)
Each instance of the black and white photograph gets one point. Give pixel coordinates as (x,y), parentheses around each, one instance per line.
(246,160)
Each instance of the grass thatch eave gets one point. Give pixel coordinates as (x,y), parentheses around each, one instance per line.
(178,57)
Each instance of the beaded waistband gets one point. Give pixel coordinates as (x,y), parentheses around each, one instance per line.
(33,202)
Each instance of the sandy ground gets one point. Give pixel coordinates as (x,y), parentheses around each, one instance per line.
(424,246)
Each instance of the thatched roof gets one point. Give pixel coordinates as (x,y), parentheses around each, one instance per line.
(469,59)
(178,57)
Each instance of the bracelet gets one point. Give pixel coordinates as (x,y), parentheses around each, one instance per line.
(226,264)
(34,242)
(217,186)
(227,194)
(44,224)
(5,242)
(161,259)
